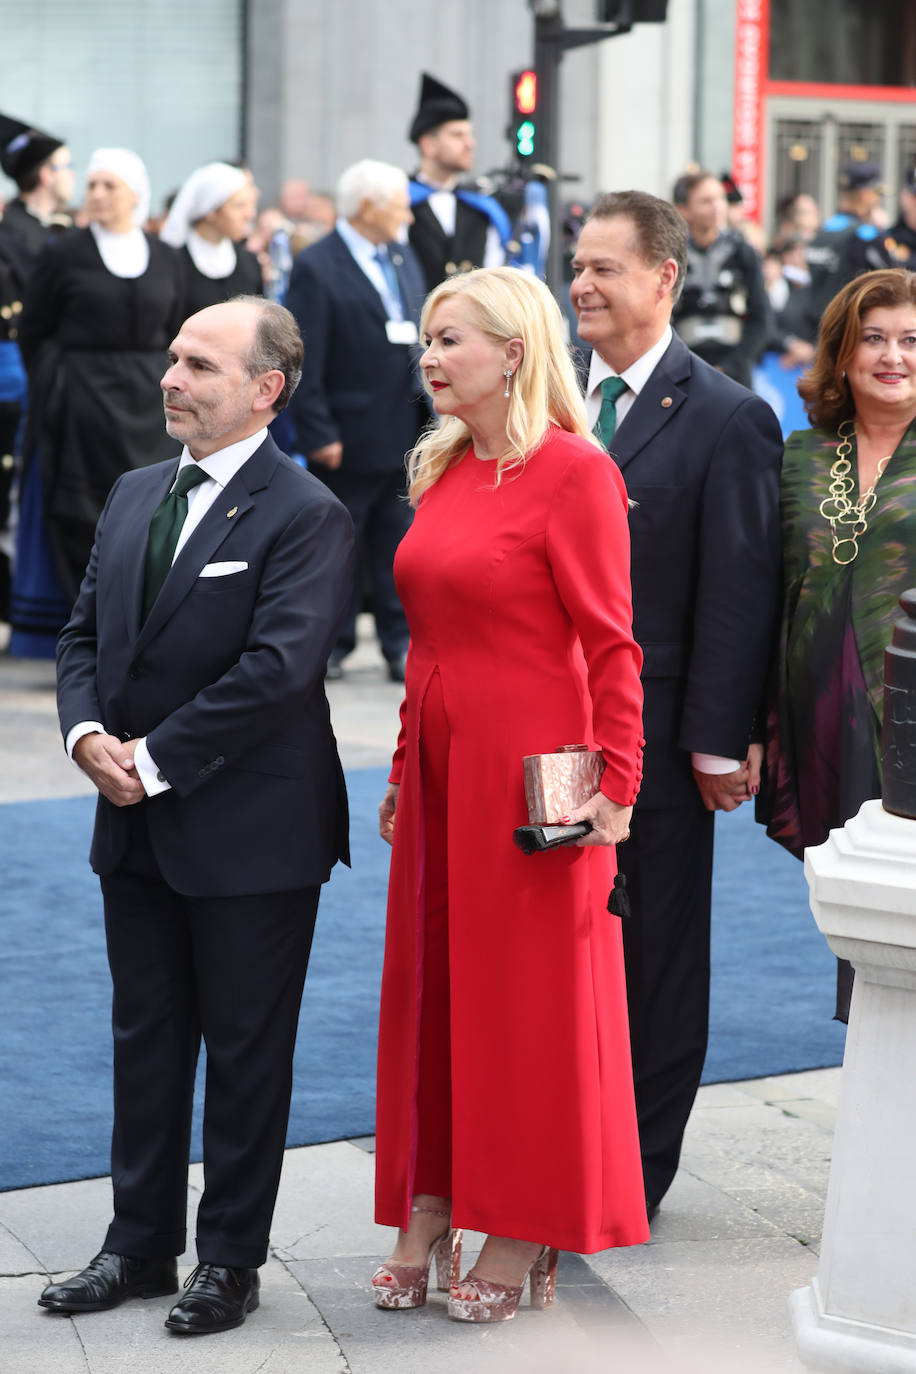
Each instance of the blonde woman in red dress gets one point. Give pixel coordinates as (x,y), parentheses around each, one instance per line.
(505,1097)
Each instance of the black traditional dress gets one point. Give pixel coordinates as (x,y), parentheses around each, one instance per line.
(95,347)
(202,289)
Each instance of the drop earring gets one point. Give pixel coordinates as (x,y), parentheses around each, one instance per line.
(508,376)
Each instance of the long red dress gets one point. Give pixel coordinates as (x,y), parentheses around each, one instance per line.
(504,1063)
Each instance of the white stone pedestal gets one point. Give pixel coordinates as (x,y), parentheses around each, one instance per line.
(859,1314)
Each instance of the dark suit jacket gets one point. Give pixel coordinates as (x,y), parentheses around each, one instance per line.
(701,455)
(225,678)
(356,386)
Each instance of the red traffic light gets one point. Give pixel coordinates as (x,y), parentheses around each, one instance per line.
(526,92)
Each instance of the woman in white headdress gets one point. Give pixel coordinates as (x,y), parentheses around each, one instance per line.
(209,216)
(101,309)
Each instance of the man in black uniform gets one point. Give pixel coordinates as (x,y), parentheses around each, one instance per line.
(897,246)
(847,242)
(12,395)
(723,313)
(454,227)
(41,167)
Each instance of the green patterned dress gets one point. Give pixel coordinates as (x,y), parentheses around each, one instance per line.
(824,721)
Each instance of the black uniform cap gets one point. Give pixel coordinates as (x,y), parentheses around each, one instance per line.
(857,176)
(437,106)
(22,148)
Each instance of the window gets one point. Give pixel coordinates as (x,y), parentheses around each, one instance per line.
(848,42)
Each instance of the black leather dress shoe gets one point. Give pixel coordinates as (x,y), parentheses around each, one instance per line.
(108,1280)
(334,671)
(652,1209)
(397,668)
(217,1299)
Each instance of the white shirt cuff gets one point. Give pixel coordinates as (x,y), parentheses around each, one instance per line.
(713,763)
(85,727)
(147,771)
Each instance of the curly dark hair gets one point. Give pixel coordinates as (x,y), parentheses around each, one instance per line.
(824,389)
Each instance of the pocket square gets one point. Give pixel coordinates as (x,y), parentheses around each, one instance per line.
(222,569)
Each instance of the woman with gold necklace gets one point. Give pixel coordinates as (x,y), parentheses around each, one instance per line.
(849,536)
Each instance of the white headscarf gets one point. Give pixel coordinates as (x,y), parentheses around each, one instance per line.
(121,162)
(206,189)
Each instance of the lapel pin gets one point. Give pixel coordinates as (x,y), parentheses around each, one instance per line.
(230,513)
(666,401)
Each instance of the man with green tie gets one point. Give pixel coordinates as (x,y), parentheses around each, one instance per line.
(190,692)
(701,456)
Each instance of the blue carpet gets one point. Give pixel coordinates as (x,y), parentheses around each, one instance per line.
(772,985)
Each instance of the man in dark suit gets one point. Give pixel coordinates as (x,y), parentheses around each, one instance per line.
(190,691)
(357,295)
(701,458)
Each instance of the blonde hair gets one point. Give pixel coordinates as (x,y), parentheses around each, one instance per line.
(506,303)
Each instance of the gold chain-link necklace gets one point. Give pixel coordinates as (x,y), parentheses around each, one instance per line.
(837,509)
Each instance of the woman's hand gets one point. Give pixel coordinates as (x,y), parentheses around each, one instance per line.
(387,808)
(610,822)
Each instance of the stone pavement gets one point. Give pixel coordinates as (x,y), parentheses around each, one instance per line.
(737,1233)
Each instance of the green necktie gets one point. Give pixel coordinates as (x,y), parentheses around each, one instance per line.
(611,389)
(164,529)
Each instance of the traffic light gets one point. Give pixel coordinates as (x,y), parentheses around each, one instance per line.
(524,104)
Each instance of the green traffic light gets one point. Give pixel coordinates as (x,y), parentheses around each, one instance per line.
(524,139)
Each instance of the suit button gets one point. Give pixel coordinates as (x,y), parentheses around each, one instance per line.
(218,761)
(133,672)
(202,772)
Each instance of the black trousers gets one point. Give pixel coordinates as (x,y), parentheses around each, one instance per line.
(230,969)
(668,867)
(377,501)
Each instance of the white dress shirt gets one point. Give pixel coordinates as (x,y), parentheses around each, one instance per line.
(636,376)
(444,205)
(220,468)
(364,252)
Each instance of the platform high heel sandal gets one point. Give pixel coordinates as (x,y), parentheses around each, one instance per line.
(494,1302)
(405,1285)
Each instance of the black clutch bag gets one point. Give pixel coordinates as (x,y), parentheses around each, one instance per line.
(531,839)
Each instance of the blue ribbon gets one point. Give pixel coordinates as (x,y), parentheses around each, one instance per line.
(420,192)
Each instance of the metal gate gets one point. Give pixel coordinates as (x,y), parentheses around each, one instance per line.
(810,138)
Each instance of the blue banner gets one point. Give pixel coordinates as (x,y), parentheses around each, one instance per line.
(779,386)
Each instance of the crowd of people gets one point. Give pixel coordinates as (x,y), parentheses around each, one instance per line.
(603,547)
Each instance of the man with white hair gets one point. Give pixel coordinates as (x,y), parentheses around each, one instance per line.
(356,295)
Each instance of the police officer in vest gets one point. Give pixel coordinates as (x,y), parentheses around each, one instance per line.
(455,227)
(723,313)
(896,247)
(848,242)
